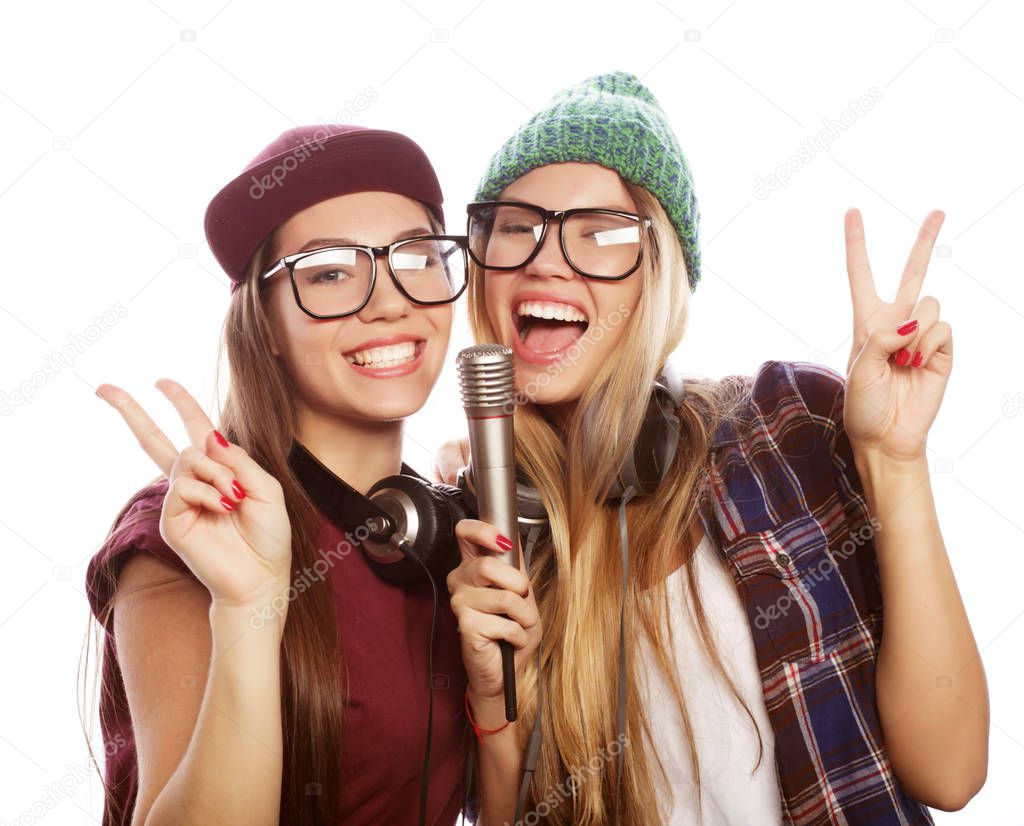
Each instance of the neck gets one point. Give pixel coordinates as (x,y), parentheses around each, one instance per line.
(360,451)
(558,414)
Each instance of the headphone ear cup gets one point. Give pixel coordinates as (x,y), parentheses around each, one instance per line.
(655,448)
(455,500)
(422,515)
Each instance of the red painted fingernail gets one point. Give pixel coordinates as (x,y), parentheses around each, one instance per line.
(220,439)
(238,490)
(902,357)
(918,358)
(227,503)
(907,328)
(504,542)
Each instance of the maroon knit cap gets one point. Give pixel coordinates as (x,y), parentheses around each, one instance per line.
(304,166)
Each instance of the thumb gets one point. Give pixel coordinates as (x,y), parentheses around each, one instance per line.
(881,344)
(451,456)
(255,481)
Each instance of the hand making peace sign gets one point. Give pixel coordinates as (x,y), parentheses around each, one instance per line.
(242,554)
(892,395)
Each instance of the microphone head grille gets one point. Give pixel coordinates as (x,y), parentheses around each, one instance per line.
(486,376)
(485,353)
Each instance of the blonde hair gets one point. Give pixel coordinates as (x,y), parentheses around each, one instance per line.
(577,573)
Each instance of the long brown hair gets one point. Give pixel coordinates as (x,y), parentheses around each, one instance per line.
(259,415)
(577,573)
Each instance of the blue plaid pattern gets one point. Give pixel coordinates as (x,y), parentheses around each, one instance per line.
(786,507)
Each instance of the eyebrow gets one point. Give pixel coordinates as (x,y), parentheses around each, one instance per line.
(618,208)
(343,242)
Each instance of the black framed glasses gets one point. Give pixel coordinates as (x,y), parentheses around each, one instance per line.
(605,244)
(337,281)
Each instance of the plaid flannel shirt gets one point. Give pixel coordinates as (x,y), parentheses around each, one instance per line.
(786,507)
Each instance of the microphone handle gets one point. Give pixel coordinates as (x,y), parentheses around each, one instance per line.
(496,498)
(508,673)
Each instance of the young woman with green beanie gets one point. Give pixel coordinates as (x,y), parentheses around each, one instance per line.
(745,640)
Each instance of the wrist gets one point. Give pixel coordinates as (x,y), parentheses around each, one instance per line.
(874,466)
(487,713)
(265,617)
(888,481)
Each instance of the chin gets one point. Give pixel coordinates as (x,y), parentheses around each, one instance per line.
(556,391)
(392,409)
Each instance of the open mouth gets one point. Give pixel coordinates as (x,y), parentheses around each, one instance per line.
(382,358)
(548,327)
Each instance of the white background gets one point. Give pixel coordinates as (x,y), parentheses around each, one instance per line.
(121,120)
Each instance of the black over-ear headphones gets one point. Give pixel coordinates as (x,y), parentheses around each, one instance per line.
(403,523)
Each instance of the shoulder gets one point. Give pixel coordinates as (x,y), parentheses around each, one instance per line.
(136,527)
(812,388)
(798,399)
(781,452)
(781,398)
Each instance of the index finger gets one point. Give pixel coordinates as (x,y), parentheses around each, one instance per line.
(152,439)
(862,282)
(197,423)
(479,538)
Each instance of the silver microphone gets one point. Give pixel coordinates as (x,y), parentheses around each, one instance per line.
(487,382)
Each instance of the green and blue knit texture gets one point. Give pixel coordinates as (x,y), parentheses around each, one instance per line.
(612,120)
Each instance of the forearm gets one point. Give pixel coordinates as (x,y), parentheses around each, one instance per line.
(930,682)
(499,759)
(231,771)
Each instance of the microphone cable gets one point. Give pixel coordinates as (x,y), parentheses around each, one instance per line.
(406,548)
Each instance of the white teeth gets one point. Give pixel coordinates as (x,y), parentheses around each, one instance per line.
(388,356)
(550,309)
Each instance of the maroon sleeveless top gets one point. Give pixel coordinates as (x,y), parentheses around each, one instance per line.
(384,631)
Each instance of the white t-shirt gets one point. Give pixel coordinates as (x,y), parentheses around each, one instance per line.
(725,739)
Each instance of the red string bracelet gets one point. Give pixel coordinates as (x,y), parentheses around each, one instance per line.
(476,729)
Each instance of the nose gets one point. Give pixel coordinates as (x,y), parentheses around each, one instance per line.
(549,260)
(386,301)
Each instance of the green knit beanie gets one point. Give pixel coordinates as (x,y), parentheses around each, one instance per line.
(612,120)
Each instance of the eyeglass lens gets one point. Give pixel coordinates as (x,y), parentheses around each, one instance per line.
(337,280)
(598,243)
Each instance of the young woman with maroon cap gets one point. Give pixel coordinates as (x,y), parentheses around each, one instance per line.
(255,671)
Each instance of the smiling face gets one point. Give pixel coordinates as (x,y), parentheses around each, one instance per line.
(544,308)
(380,363)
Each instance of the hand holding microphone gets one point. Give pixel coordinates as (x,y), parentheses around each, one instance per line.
(487,381)
(496,611)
